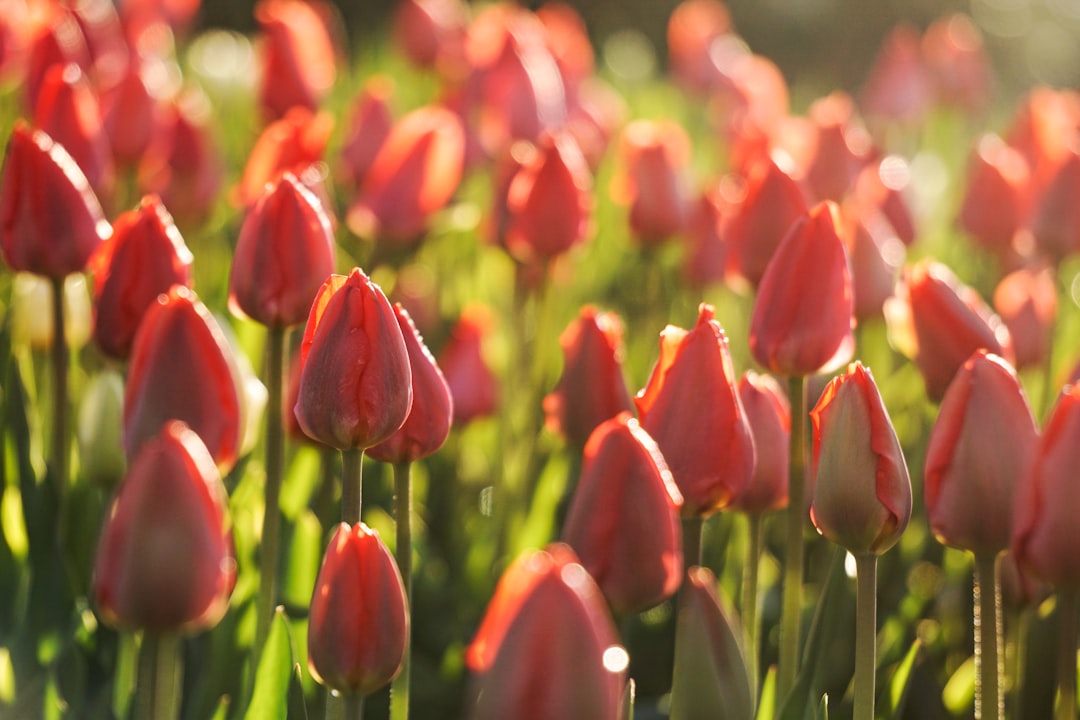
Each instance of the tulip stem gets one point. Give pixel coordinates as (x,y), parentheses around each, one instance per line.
(865,635)
(750,600)
(354,706)
(691,528)
(60,448)
(275,458)
(793,558)
(1066,708)
(989,701)
(399,689)
(158,682)
(352,462)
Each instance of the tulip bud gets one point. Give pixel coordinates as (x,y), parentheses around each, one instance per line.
(898,86)
(368,129)
(1042,131)
(690,406)
(862,497)
(802,319)
(1045,533)
(165,561)
(50,220)
(768,414)
(356,387)
(472,383)
(876,255)
(547,613)
(143,258)
(1057,218)
(654,182)
(54,38)
(692,32)
(182,367)
(358,626)
(996,202)
(592,388)
(431,34)
(32,316)
(131,110)
(979,452)
(952,48)
(706,256)
(624,519)
(883,187)
(1026,299)
(842,147)
(711,677)
(285,251)
(294,143)
(428,424)
(298,64)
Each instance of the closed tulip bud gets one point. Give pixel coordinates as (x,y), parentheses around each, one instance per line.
(862,497)
(101,429)
(356,386)
(183,368)
(1026,299)
(358,626)
(803,314)
(624,519)
(952,48)
(898,86)
(842,147)
(567,37)
(592,387)
(473,384)
(284,253)
(654,181)
(291,144)
(431,34)
(1056,224)
(942,322)
(1045,533)
(705,261)
(883,187)
(31,311)
(547,613)
(692,32)
(996,202)
(131,110)
(549,201)
(1042,131)
(298,64)
(369,126)
(978,454)
(691,408)
(428,424)
(768,414)
(55,38)
(772,202)
(417,170)
(876,255)
(143,258)
(165,561)
(711,679)
(50,220)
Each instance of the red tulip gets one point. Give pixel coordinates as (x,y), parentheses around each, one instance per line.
(176,14)
(50,221)
(415,173)
(842,147)
(876,255)
(862,497)
(692,32)
(567,37)
(1056,224)
(592,388)
(292,144)
(105,42)
(358,626)
(473,385)
(165,561)
(953,51)
(706,258)
(547,613)
(624,519)
(131,111)
(692,409)
(356,386)
(55,38)
(368,129)
(883,187)
(298,63)
(898,86)
(1042,131)
(979,452)
(549,201)
(1046,533)
(802,317)
(768,414)
(428,424)
(654,182)
(1027,301)
(283,255)
(431,34)
(997,201)
(143,258)
(182,368)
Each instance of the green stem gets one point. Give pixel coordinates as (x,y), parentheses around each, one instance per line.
(354,706)
(399,690)
(691,530)
(793,559)
(989,701)
(326,501)
(1066,708)
(275,459)
(60,359)
(157,694)
(865,635)
(351,485)
(750,600)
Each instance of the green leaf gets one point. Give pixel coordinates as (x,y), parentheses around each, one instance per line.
(629,697)
(767,702)
(823,708)
(297,707)
(959,693)
(270,700)
(901,679)
(302,561)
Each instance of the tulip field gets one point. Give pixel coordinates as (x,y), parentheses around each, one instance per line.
(480,367)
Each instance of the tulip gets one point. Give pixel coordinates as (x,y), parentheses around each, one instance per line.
(899,86)
(876,255)
(595,114)
(706,258)
(952,48)
(1042,130)
(50,220)
(55,38)
(105,42)
(298,64)
(183,368)
(692,32)
(883,187)
(567,37)
(356,389)
(773,201)
(802,319)
(415,173)
(690,406)
(165,561)
(358,625)
(1026,299)
(178,15)
(996,203)
(431,35)
(656,160)
(768,414)
(473,385)
(711,678)
(842,147)
(546,613)
(549,201)
(143,258)
(592,388)
(131,110)
(623,522)
(368,129)
(1056,224)
(293,143)
(283,255)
